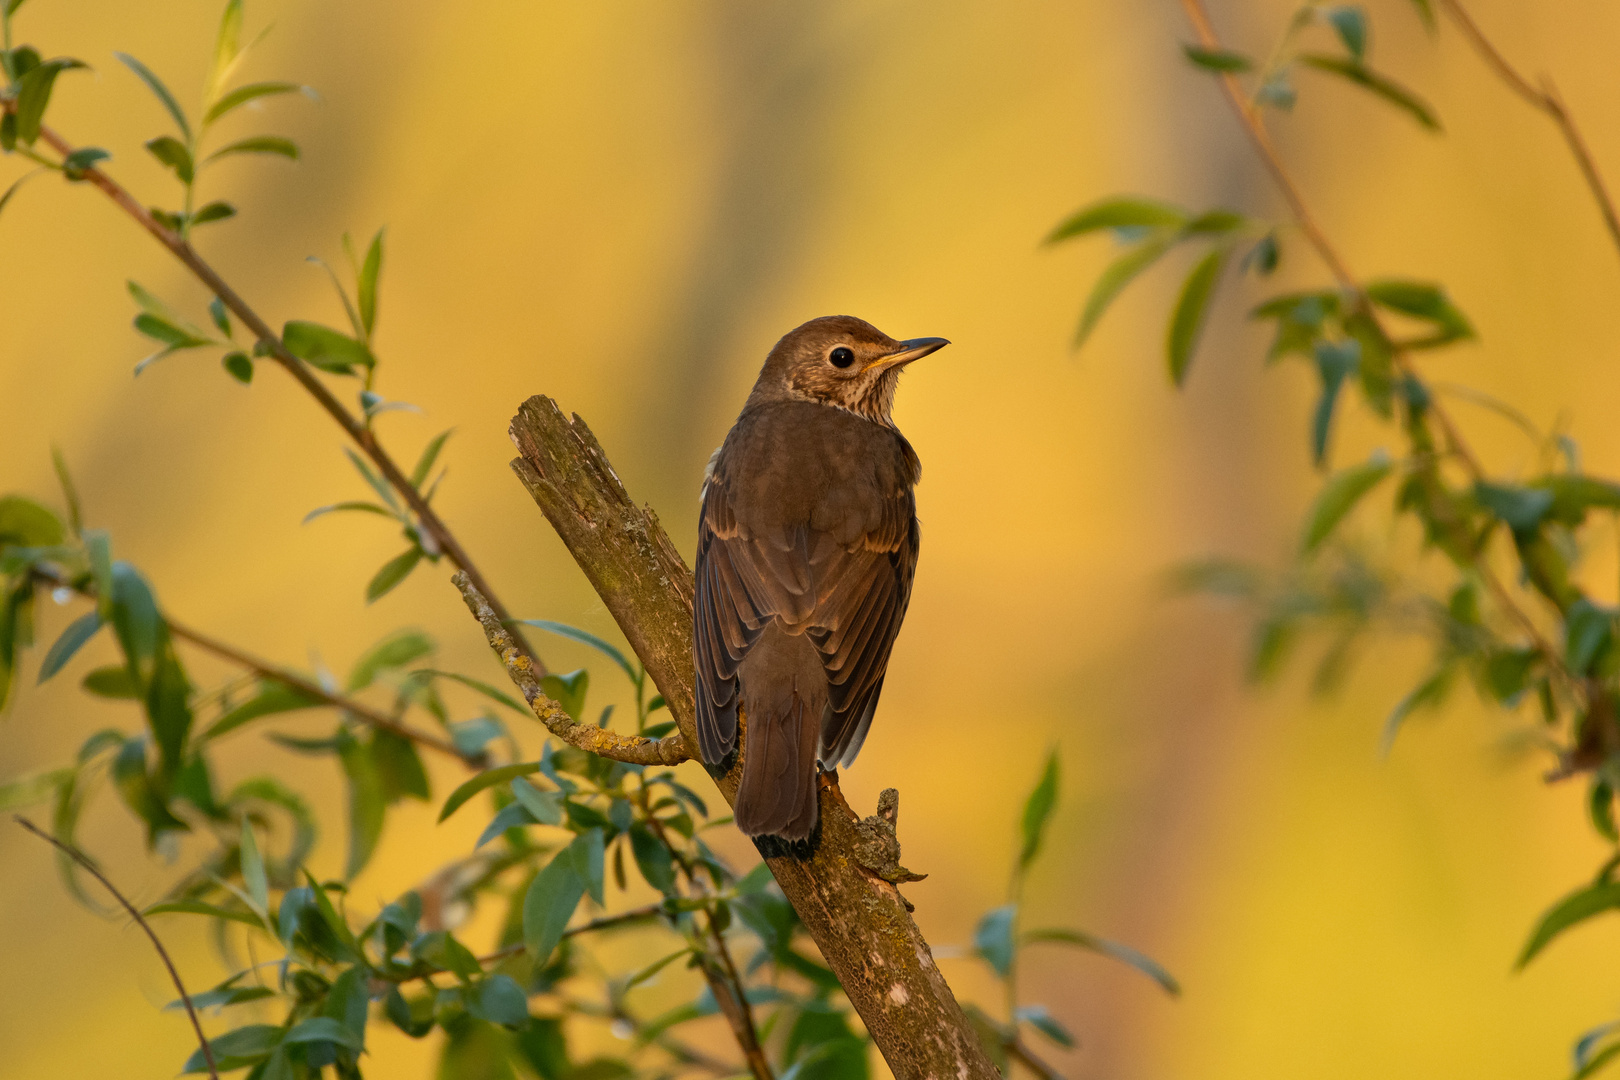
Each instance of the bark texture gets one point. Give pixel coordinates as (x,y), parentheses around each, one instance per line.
(858,920)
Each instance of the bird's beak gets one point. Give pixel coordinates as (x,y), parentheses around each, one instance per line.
(914,349)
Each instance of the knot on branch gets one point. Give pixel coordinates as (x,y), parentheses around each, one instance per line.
(877,844)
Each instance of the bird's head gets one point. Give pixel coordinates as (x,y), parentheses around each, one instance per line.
(842,361)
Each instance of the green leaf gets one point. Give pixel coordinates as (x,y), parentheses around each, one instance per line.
(18,183)
(135,616)
(154,84)
(392,572)
(325,348)
(330,916)
(214,211)
(253,876)
(486,779)
(375,482)
(349,1001)
(1599,805)
(1263,257)
(1341,493)
(585,637)
(1118,214)
(272,698)
(82,160)
(512,816)
(227,46)
(111,682)
(391,653)
(244,94)
(259,144)
(1387,89)
(1220,60)
(399,766)
(26,523)
(1429,692)
(1425,301)
(366,293)
(1522,509)
(1425,10)
(653,859)
(173,153)
(1119,274)
(1144,964)
(239,367)
(548,905)
(1350,23)
(568,690)
(482,687)
(430,454)
(236,1049)
(351,505)
(1335,361)
(367,805)
(1187,323)
(1588,630)
(1042,1020)
(168,708)
(79,631)
(197,907)
(34,94)
(500,1000)
(993,939)
(34,788)
(1573,909)
(544,806)
(222,996)
(1038,810)
(587,850)
(654,968)
(323,1029)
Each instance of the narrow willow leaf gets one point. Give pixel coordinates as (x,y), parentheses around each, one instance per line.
(588,851)
(79,631)
(34,788)
(366,286)
(1118,214)
(391,653)
(111,682)
(253,875)
(400,767)
(1339,496)
(544,806)
(227,45)
(367,806)
(1425,10)
(220,317)
(325,348)
(1038,811)
(34,94)
(393,572)
(486,779)
(1429,692)
(272,699)
(98,553)
(1425,301)
(1146,965)
(653,859)
(259,144)
(323,1029)
(654,968)
(1187,322)
(1600,809)
(500,1000)
(548,905)
(1119,274)
(173,153)
(236,1049)
(155,84)
(1573,909)
(585,637)
(244,94)
(239,366)
(214,211)
(430,452)
(167,333)
(1350,23)
(16,184)
(1042,1020)
(512,816)
(993,939)
(1335,361)
(77,164)
(1220,60)
(333,508)
(1387,89)
(483,688)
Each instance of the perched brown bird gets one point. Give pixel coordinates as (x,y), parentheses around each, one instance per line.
(806,551)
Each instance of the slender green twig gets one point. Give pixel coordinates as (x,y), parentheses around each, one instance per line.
(79,857)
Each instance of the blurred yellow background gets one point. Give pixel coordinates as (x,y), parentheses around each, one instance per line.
(623,205)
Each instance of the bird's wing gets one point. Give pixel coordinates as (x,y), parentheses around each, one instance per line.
(843,577)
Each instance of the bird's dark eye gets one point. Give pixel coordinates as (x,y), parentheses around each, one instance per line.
(842,357)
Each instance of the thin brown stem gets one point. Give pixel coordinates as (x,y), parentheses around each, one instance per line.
(1254,127)
(743,1024)
(435,530)
(1544,99)
(309,688)
(634,749)
(1026,1057)
(79,857)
